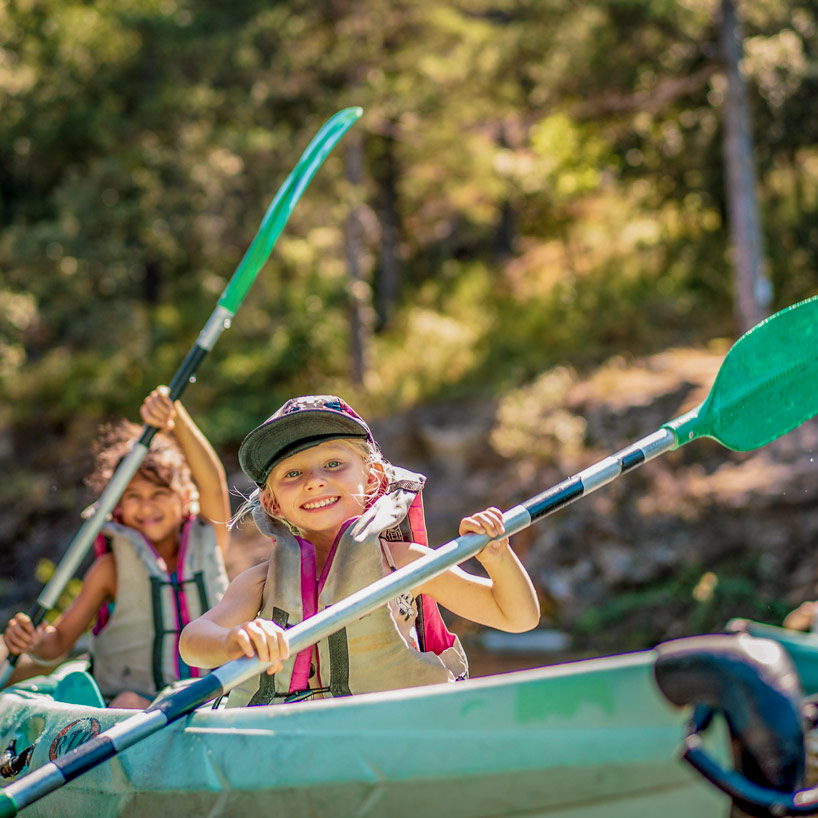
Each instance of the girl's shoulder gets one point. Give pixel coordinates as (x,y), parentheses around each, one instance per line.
(254,575)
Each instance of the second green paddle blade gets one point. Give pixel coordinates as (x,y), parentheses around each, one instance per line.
(766,386)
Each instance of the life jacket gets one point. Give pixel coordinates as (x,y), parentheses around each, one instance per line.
(404,644)
(137,648)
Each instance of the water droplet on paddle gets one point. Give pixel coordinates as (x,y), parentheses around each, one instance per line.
(192,379)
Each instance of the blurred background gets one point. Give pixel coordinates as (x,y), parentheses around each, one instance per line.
(536,246)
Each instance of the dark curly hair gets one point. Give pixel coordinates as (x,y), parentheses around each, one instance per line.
(164,464)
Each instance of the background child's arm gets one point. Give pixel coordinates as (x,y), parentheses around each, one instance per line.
(506,600)
(205,466)
(801,618)
(50,642)
(232,628)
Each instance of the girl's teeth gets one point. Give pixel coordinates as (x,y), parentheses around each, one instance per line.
(319,504)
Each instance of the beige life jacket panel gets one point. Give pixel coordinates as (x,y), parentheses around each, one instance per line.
(379,651)
(138,647)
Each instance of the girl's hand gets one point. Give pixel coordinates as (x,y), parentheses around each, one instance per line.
(158,409)
(261,638)
(20,634)
(488,522)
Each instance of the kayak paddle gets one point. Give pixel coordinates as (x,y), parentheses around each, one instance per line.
(257,254)
(764,389)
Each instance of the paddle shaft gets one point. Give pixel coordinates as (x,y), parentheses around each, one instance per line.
(53,775)
(234,293)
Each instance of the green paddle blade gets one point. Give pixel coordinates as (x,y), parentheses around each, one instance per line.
(282,206)
(767,384)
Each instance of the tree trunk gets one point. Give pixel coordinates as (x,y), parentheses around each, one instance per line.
(506,231)
(387,290)
(359,291)
(751,286)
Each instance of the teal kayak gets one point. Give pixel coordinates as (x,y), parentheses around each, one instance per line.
(581,740)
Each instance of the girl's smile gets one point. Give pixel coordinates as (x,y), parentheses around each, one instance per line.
(317,504)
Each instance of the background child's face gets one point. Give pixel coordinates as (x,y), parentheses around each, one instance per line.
(153,510)
(320,488)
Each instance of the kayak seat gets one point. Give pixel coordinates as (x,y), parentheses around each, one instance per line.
(78,687)
(753,684)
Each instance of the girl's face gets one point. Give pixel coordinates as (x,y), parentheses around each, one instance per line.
(319,489)
(153,510)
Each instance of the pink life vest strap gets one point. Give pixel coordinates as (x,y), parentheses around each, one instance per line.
(311,587)
(101,546)
(436,636)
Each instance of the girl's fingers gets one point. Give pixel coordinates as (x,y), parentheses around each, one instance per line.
(279,648)
(19,645)
(262,639)
(283,644)
(260,645)
(21,628)
(239,638)
(488,522)
(19,639)
(158,409)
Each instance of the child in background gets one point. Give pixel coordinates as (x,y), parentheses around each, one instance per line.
(158,566)
(320,474)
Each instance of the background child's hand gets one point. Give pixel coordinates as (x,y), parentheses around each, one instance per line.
(20,634)
(261,638)
(488,522)
(158,410)
(801,618)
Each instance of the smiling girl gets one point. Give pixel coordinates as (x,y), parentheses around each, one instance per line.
(158,564)
(340,517)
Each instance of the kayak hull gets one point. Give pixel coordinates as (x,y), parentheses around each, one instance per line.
(585,740)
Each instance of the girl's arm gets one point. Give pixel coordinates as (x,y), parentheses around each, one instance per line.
(232,628)
(506,600)
(205,466)
(50,642)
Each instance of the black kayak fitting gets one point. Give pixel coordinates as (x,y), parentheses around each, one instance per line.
(753,684)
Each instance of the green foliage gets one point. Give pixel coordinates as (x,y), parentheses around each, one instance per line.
(44,570)
(544,178)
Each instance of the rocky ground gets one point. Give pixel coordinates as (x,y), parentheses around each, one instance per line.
(677,546)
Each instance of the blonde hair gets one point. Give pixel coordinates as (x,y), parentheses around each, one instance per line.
(367,450)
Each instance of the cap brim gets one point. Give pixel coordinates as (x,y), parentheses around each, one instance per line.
(267,445)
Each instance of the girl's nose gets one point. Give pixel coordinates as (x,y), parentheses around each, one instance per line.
(315,478)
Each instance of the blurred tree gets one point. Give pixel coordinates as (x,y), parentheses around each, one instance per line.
(535,171)
(753,292)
